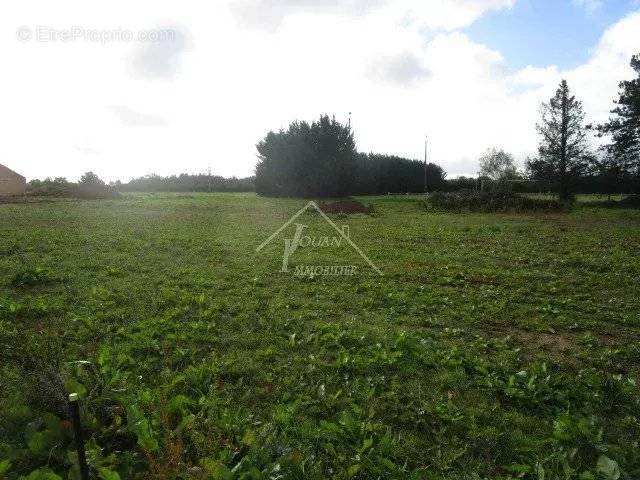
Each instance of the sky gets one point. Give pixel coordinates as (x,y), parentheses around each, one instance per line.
(127,89)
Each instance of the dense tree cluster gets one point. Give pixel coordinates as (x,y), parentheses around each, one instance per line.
(307,160)
(320,160)
(381,174)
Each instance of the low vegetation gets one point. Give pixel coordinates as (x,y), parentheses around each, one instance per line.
(501,346)
(90,187)
(477,201)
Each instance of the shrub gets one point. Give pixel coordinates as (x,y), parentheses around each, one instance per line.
(89,188)
(58,187)
(472,201)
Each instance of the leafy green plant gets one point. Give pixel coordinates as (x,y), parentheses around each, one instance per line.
(33,276)
(495,346)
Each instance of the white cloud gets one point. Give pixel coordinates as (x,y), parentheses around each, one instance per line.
(595,83)
(129,116)
(446,14)
(269,14)
(403,69)
(226,84)
(589,5)
(161,58)
(443,14)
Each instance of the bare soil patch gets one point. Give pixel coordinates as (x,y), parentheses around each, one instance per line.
(558,343)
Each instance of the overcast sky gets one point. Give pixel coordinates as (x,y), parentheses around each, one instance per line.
(80,91)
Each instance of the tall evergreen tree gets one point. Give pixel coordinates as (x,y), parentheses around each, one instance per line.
(623,153)
(563,150)
(307,160)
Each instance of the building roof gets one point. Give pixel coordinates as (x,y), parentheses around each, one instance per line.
(5,170)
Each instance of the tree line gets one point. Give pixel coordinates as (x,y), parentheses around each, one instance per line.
(187,183)
(90,186)
(565,157)
(320,159)
(380,174)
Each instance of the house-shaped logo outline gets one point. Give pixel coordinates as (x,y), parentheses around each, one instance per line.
(315,206)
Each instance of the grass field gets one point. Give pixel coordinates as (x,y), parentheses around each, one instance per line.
(494,346)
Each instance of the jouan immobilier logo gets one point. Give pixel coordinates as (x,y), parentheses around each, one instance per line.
(302,238)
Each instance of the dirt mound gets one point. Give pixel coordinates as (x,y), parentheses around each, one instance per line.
(344,206)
